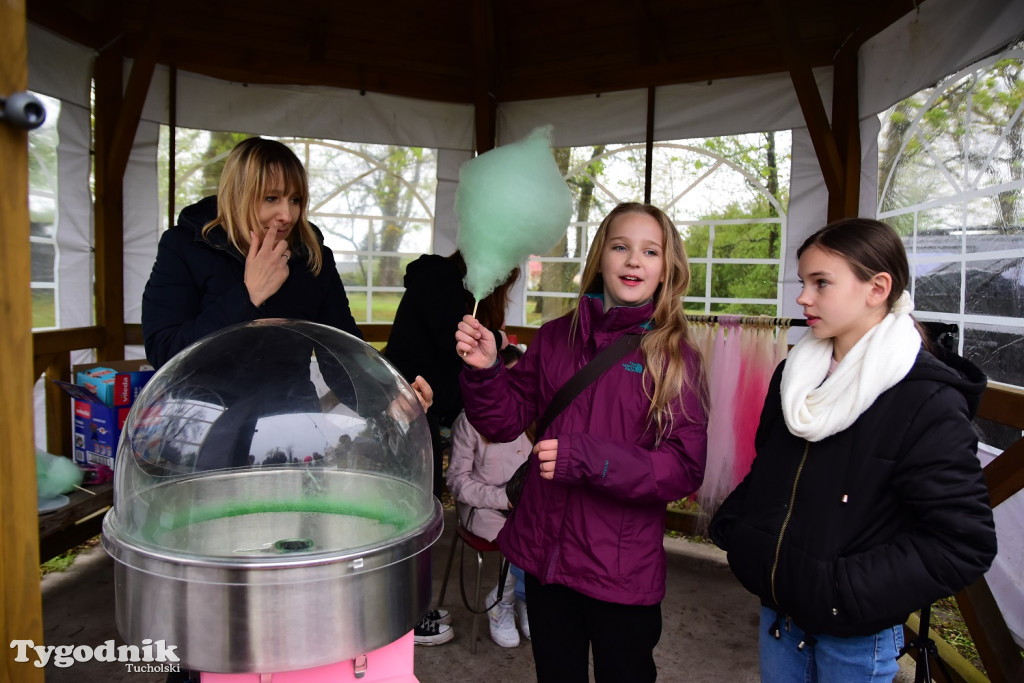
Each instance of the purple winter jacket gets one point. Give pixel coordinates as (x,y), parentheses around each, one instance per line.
(598,526)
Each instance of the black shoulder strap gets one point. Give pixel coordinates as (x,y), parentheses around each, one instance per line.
(585,376)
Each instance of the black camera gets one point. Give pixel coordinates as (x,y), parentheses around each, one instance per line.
(23,110)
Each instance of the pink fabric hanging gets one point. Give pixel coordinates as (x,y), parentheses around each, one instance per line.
(723,378)
(758,363)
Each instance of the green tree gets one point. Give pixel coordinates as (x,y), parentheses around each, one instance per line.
(561,277)
(402,168)
(758,156)
(959,131)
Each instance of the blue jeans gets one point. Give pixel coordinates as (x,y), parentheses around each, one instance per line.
(520,582)
(859,659)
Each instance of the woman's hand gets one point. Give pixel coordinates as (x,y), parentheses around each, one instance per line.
(266,266)
(423,392)
(475,343)
(547,452)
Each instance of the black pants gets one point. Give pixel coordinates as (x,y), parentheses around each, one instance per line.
(565,624)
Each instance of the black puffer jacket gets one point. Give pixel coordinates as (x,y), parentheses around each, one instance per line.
(851,534)
(422,340)
(196,288)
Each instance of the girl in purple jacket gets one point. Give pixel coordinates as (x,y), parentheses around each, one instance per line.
(589,527)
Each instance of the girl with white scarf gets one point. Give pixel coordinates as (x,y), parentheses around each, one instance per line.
(866,500)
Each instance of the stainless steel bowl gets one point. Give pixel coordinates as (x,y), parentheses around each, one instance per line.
(257,571)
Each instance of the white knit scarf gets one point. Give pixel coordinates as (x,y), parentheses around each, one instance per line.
(814,409)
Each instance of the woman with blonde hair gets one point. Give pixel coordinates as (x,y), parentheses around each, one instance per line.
(248,253)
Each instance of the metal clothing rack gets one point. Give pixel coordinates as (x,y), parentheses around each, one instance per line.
(750,320)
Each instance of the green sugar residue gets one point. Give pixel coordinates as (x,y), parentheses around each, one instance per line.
(370,510)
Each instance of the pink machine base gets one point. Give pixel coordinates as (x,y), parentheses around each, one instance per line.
(392,663)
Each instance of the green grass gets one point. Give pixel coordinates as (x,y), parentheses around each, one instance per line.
(384,306)
(948,623)
(64,561)
(43,313)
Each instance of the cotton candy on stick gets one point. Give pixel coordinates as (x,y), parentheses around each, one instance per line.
(511,202)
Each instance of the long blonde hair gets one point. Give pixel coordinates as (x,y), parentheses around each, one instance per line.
(665,375)
(249,169)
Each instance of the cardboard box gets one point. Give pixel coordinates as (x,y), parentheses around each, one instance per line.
(125,379)
(98,425)
(99,381)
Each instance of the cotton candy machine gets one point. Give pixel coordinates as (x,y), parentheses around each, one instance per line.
(272,503)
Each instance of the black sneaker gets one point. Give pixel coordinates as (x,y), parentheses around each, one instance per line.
(441,616)
(429,632)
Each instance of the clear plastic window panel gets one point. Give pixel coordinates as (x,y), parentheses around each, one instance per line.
(43,215)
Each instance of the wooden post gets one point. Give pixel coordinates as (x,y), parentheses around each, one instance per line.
(846,127)
(484,85)
(109,213)
(822,133)
(20,600)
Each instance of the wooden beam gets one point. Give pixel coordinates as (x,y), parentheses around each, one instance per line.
(134,97)
(825,145)
(1003,403)
(846,131)
(58,405)
(652,101)
(485,98)
(998,650)
(67,340)
(109,212)
(20,598)
(1004,476)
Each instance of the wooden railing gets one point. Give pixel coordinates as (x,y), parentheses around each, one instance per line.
(1005,476)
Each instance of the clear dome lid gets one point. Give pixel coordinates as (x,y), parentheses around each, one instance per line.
(269,442)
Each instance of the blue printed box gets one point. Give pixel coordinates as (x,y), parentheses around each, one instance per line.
(98,425)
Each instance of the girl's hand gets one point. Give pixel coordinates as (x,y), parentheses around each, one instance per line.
(423,392)
(475,343)
(547,452)
(266,266)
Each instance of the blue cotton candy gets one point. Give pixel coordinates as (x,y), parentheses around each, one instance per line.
(55,474)
(511,202)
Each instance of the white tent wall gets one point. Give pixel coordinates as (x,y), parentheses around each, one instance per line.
(143,218)
(940,38)
(315,112)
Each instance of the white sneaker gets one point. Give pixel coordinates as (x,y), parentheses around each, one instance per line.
(503,622)
(524,621)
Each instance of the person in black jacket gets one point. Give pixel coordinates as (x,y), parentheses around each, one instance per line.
(866,499)
(434,302)
(420,345)
(249,253)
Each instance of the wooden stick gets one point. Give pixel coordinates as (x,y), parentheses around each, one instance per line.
(475,307)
